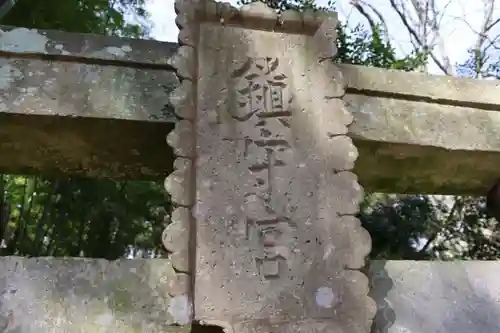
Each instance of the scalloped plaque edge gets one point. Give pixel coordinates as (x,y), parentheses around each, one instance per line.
(190,13)
(256,15)
(325,48)
(179,184)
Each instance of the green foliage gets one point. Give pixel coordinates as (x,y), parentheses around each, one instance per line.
(281,5)
(70,216)
(397,224)
(359,46)
(104,17)
(457,228)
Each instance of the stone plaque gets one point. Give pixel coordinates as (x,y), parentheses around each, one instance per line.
(266,168)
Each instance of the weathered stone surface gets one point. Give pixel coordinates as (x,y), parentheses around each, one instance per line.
(458,155)
(420,133)
(434,135)
(447,90)
(29,42)
(31,86)
(438,297)
(428,147)
(60,117)
(181,139)
(277,242)
(419,147)
(181,183)
(254,16)
(87,296)
(82,295)
(92,147)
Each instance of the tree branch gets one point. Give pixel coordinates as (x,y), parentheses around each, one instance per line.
(447,222)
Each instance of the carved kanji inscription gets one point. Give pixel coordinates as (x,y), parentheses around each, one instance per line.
(263,101)
(274,196)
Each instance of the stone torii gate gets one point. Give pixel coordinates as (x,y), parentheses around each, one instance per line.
(267,136)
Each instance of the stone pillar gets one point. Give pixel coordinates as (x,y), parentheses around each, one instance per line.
(266,226)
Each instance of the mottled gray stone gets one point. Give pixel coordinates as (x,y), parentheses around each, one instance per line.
(87,296)
(89,111)
(82,119)
(438,297)
(29,42)
(418,147)
(277,242)
(92,147)
(31,86)
(417,86)
(415,133)
(419,133)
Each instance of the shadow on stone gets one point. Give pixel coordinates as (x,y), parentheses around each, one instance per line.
(77,295)
(434,296)
(198,328)
(380,285)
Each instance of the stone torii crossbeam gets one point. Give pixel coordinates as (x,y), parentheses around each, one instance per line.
(266,175)
(415,133)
